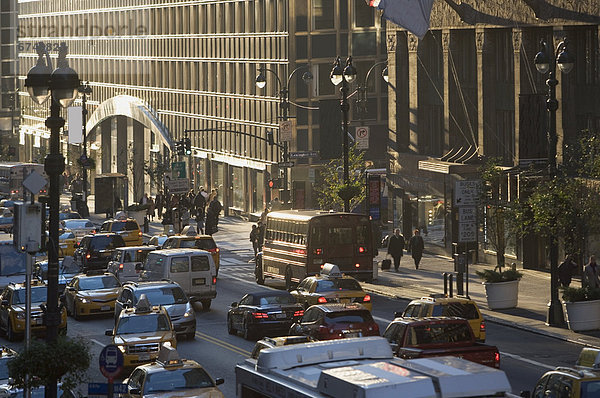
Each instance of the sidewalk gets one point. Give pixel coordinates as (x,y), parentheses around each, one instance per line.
(409,284)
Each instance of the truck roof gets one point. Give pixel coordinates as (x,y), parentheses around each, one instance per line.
(365,367)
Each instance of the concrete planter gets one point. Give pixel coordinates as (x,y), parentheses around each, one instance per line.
(138,216)
(582,315)
(502,295)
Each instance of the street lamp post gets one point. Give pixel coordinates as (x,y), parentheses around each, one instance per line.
(361,90)
(545,62)
(61,86)
(284,103)
(345,76)
(85,90)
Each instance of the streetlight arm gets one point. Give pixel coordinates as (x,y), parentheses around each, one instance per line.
(294,72)
(263,69)
(371,70)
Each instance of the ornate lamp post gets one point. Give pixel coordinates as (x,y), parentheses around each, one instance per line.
(361,101)
(284,103)
(545,62)
(345,76)
(85,90)
(61,86)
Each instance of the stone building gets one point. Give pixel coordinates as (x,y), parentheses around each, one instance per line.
(470,90)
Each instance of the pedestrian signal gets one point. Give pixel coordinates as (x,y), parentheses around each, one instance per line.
(275,183)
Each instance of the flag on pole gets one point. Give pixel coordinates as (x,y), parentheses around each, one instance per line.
(412,15)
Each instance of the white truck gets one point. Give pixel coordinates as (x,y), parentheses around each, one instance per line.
(362,368)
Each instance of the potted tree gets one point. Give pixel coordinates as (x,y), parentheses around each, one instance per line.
(137,212)
(501,288)
(581,306)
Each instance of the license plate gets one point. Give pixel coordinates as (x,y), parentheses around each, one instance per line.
(144,357)
(199,281)
(105,308)
(352,334)
(39,321)
(345,301)
(280,316)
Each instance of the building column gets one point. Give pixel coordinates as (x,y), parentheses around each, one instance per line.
(413,90)
(392,91)
(479,47)
(446,78)
(517,40)
(558,34)
(138,155)
(106,145)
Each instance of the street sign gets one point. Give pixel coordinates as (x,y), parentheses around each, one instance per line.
(467,232)
(285,130)
(304,154)
(467,193)
(178,170)
(285,164)
(102,388)
(111,361)
(34,182)
(362,137)
(180,185)
(467,214)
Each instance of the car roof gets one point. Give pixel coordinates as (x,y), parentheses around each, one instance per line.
(90,276)
(109,234)
(429,320)
(156,367)
(135,248)
(269,293)
(193,237)
(146,285)
(338,307)
(442,299)
(171,252)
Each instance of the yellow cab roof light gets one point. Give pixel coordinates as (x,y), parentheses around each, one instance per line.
(168,356)
(143,304)
(589,358)
(331,270)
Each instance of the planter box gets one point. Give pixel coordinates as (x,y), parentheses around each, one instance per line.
(502,295)
(582,315)
(138,216)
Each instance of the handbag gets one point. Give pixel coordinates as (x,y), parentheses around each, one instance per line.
(386,263)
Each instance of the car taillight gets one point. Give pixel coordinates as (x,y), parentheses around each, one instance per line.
(214,280)
(361,249)
(299,251)
(482,326)
(357,265)
(260,315)
(497,359)
(318,252)
(88,255)
(299,313)
(367,298)
(121,266)
(215,250)
(321,300)
(140,233)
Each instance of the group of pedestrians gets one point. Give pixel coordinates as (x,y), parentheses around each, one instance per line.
(397,244)
(590,277)
(180,209)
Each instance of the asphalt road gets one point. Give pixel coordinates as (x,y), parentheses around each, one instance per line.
(525,356)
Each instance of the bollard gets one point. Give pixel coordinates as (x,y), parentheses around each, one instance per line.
(445,274)
(450,277)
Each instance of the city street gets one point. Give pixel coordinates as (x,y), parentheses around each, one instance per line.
(524,355)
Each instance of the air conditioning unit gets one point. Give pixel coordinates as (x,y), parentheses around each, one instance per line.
(155,148)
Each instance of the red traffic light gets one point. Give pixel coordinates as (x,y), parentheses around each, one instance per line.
(275,183)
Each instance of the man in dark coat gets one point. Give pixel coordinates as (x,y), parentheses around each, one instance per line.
(416,246)
(566,270)
(396,248)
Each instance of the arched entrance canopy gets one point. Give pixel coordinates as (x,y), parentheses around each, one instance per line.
(135,108)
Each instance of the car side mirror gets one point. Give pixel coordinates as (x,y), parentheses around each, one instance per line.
(219,381)
(108,332)
(234,304)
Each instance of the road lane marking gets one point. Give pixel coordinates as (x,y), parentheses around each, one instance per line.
(529,361)
(97,342)
(380,319)
(223,344)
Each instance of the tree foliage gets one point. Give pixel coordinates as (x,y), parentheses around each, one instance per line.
(330,187)
(156,170)
(66,360)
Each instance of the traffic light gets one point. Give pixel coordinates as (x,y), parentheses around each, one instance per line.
(270,139)
(275,183)
(188,145)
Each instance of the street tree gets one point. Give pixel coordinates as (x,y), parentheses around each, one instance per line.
(330,187)
(156,170)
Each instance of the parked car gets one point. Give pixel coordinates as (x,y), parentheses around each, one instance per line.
(336,321)
(164,293)
(263,313)
(127,262)
(95,251)
(439,336)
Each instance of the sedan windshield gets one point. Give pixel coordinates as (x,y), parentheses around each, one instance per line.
(38,294)
(279,299)
(99,282)
(164,296)
(330,285)
(180,379)
(143,324)
(75,224)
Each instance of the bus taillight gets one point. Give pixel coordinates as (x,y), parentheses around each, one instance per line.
(357,265)
(361,249)
(299,251)
(318,252)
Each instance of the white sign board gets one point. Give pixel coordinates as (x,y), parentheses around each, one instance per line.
(285,130)
(467,214)
(34,182)
(467,192)
(361,137)
(75,121)
(179,185)
(467,232)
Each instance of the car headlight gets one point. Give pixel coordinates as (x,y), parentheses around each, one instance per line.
(189,313)
(84,300)
(20,315)
(167,344)
(122,348)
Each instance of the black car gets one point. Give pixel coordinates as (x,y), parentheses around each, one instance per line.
(95,251)
(263,313)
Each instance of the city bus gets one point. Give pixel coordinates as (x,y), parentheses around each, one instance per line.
(297,243)
(11,178)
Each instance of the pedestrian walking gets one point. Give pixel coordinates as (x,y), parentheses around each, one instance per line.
(415,247)
(254,238)
(261,234)
(159,203)
(151,208)
(396,248)
(200,215)
(566,270)
(590,274)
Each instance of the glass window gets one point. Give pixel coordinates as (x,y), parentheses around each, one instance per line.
(325,86)
(362,43)
(177,380)
(143,324)
(330,285)
(412,310)
(300,8)
(350,317)
(323,14)
(301,47)
(467,311)
(99,282)
(364,15)
(323,46)
(164,295)
(38,295)
(247,300)
(200,263)
(339,236)
(180,264)
(278,299)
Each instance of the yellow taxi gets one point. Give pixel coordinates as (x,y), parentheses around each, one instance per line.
(581,381)
(171,376)
(331,286)
(67,242)
(12,310)
(91,294)
(443,305)
(202,242)
(128,228)
(140,332)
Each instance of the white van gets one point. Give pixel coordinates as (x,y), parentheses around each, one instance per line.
(193,269)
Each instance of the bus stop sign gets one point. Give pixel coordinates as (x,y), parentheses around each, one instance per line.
(111,361)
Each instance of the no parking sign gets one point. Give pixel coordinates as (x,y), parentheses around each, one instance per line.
(361,136)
